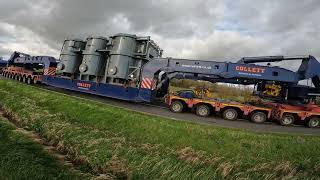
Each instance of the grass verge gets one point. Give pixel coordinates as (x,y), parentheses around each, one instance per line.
(124,144)
(20,158)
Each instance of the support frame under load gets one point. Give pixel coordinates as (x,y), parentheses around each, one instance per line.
(102,89)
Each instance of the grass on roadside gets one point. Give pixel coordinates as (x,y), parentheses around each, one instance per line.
(106,139)
(20,158)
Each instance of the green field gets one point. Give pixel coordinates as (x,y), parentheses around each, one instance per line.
(20,158)
(124,144)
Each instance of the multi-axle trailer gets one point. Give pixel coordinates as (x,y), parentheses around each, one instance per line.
(284,114)
(3,64)
(131,68)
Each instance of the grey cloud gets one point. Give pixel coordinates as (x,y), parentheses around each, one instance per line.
(290,25)
(183,28)
(65,18)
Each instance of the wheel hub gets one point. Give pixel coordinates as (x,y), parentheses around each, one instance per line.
(203,111)
(230,115)
(176,107)
(314,123)
(287,120)
(257,118)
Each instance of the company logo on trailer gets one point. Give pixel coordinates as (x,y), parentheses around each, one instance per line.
(83,85)
(250,69)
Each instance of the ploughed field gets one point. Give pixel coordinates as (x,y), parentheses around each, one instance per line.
(103,139)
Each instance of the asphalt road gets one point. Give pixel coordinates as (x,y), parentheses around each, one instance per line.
(190,117)
(163,111)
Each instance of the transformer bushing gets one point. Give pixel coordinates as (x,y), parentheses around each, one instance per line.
(70,56)
(94,58)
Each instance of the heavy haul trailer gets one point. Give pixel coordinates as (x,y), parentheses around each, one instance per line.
(286,91)
(3,64)
(229,110)
(129,67)
(29,69)
(286,114)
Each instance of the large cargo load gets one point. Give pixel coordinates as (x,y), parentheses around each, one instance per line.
(115,60)
(70,57)
(94,59)
(127,56)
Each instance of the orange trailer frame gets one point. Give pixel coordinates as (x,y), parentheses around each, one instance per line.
(230,110)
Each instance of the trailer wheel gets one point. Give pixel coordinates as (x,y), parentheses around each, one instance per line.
(258,117)
(287,120)
(176,106)
(29,80)
(230,114)
(313,122)
(203,110)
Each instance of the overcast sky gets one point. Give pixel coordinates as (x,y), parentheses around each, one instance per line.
(201,29)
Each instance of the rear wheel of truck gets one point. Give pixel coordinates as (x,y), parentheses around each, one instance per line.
(230,114)
(203,110)
(313,122)
(258,117)
(176,106)
(287,120)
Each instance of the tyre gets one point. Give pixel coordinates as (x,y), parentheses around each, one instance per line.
(24,79)
(313,122)
(258,117)
(29,80)
(287,120)
(19,78)
(176,106)
(230,114)
(203,110)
